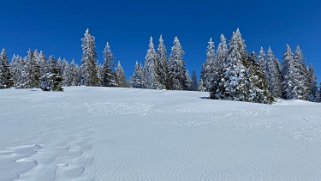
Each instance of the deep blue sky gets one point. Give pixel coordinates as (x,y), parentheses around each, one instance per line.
(56,27)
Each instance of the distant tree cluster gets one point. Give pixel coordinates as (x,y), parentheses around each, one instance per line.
(160,72)
(229,72)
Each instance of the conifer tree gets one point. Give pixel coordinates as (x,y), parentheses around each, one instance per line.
(319,93)
(189,82)
(176,67)
(67,76)
(16,69)
(89,60)
(6,79)
(33,70)
(161,68)
(120,77)
(313,85)
(222,50)
(291,73)
(256,85)
(210,67)
(217,89)
(263,61)
(150,67)
(108,76)
(234,71)
(194,82)
(237,36)
(303,73)
(41,59)
(52,64)
(274,75)
(138,80)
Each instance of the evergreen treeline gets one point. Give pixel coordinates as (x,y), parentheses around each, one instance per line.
(229,72)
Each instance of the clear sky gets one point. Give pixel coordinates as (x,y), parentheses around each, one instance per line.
(56,27)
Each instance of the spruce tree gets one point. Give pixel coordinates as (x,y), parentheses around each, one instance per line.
(41,59)
(274,75)
(33,70)
(210,66)
(75,71)
(263,61)
(150,68)
(319,93)
(189,82)
(108,76)
(120,77)
(237,36)
(16,69)
(217,89)
(303,73)
(67,76)
(52,64)
(194,82)
(161,68)
(234,71)
(291,73)
(138,80)
(89,60)
(257,87)
(20,72)
(176,67)
(222,50)
(6,79)
(313,85)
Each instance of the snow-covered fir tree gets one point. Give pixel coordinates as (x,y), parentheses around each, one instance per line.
(313,85)
(67,76)
(61,65)
(319,93)
(210,67)
(234,70)
(74,71)
(262,58)
(161,68)
(292,87)
(108,76)
(303,73)
(138,80)
(89,60)
(274,75)
(20,72)
(41,59)
(120,77)
(222,50)
(150,67)
(189,82)
(256,84)
(176,67)
(52,81)
(194,82)
(16,69)
(217,88)
(100,75)
(33,70)
(237,36)
(6,79)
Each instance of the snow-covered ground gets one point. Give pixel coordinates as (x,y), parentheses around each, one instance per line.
(113,134)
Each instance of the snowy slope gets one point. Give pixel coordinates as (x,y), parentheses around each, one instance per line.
(112,134)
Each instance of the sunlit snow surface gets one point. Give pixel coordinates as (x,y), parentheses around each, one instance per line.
(111,134)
